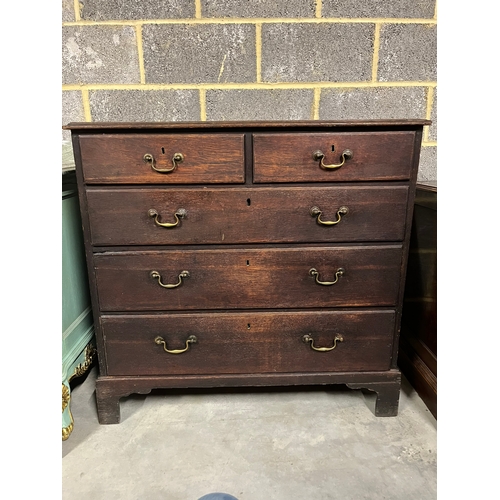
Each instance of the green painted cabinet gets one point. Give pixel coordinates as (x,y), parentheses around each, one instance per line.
(77,324)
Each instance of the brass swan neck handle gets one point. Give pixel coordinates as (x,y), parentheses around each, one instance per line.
(340,272)
(190,340)
(307,338)
(318,155)
(157,275)
(176,159)
(317,212)
(179,214)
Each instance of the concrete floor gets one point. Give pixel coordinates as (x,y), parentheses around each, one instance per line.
(256,445)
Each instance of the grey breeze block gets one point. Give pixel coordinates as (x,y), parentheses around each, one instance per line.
(408,52)
(303,52)
(105,10)
(276,104)
(258,8)
(99,54)
(379,8)
(373,103)
(144,105)
(72,110)
(181,53)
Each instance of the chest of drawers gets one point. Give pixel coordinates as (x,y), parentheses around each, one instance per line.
(246,253)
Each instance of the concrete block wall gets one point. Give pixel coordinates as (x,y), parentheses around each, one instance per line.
(183,60)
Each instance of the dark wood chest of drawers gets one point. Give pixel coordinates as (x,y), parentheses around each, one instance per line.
(246,253)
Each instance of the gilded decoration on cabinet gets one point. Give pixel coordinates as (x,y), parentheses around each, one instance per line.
(67,431)
(65,397)
(80,369)
(83,367)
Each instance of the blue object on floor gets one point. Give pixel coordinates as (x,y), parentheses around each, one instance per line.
(217,496)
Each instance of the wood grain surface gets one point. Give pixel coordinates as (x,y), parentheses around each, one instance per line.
(376,156)
(249,278)
(250,342)
(208,159)
(246,215)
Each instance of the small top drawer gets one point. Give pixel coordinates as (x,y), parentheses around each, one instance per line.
(163,158)
(333,157)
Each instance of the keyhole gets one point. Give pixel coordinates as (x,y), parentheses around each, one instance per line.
(162,151)
(249,201)
(333,147)
(248,262)
(248,326)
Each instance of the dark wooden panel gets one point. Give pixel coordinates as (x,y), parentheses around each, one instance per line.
(246,215)
(418,351)
(419,319)
(421,377)
(211,125)
(376,156)
(109,390)
(249,278)
(253,342)
(208,158)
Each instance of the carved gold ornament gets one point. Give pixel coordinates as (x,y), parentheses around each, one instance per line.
(79,370)
(83,367)
(65,397)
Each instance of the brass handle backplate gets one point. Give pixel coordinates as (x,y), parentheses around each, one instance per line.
(308,338)
(156,275)
(340,272)
(177,158)
(190,340)
(179,214)
(316,212)
(347,154)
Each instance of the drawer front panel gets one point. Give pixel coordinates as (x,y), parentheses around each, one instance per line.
(259,215)
(249,278)
(207,158)
(250,342)
(376,156)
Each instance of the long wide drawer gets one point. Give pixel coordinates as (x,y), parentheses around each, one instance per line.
(293,277)
(298,157)
(249,342)
(177,158)
(131,216)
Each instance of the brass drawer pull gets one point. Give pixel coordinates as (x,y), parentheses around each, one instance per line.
(190,340)
(308,338)
(340,272)
(316,212)
(347,154)
(179,214)
(156,275)
(177,158)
